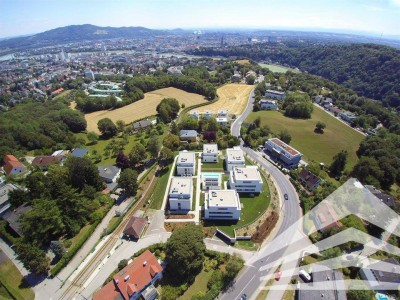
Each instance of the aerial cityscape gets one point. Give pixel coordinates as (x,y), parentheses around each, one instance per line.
(200,150)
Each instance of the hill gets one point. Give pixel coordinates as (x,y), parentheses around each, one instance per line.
(370,70)
(75,33)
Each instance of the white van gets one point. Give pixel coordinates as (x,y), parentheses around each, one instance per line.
(305,276)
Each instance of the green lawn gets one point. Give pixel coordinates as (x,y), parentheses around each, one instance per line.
(72,241)
(215,167)
(278,68)
(252,207)
(199,284)
(202,198)
(194,194)
(318,147)
(246,245)
(159,189)
(12,279)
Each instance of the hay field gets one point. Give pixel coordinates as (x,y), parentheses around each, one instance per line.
(232,97)
(242,62)
(143,108)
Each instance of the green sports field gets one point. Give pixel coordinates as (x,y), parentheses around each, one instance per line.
(318,147)
(278,68)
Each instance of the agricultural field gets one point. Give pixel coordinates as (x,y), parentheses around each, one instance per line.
(278,68)
(143,108)
(317,147)
(242,62)
(232,97)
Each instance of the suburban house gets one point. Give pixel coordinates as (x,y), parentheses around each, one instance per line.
(12,217)
(4,201)
(309,180)
(325,217)
(186,163)
(109,174)
(326,284)
(245,180)
(222,121)
(79,152)
(180,194)
(137,126)
(135,227)
(188,135)
(211,181)
(222,205)
(62,153)
(327,102)
(382,275)
(236,77)
(223,113)
(12,165)
(44,161)
(347,116)
(134,281)
(234,158)
(275,95)
(266,104)
(283,152)
(385,198)
(210,153)
(194,114)
(207,114)
(318,99)
(334,109)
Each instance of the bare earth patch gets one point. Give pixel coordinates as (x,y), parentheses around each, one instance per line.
(143,108)
(232,97)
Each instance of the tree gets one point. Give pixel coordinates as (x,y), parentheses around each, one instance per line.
(165,157)
(81,172)
(319,127)
(58,248)
(128,181)
(171,141)
(359,295)
(137,154)
(174,128)
(122,264)
(122,161)
(33,258)
(250,79)
(184,251)
(92,137)
(285,136)
(338,164)
(120,125)
(153,146)
(107,127)
(233,266)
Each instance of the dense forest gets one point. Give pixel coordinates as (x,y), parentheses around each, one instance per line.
(39,126)
(370,70)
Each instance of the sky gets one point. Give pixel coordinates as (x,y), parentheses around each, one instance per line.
(20,17)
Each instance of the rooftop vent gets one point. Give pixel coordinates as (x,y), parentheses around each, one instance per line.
(127,277)
(144,263)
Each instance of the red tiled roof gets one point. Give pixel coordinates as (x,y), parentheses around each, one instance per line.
(285,146)
(57,91)
(135,226)
(9,157)
(44,161)
(10,165)
(133,278)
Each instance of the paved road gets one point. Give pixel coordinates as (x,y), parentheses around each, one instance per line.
(271,254)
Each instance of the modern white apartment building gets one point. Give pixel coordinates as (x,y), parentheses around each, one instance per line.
(207,114)
(186,163)
(234,158)
(268,104)
(223,113)
(210,153)
(275,94)
(195,114)
(222,121)
(245,180)
(180,194)
(211,181)
(222,205)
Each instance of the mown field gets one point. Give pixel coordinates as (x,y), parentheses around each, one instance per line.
(278,68)
(318,147)
(232,97)
(143,108)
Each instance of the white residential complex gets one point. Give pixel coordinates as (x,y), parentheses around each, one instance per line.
(234,158)
(210,153)
(211,181)
(222,205)
(186,163)
(246,180)
(283,152)
(180,194)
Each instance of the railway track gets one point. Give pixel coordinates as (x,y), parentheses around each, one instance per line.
(77,283)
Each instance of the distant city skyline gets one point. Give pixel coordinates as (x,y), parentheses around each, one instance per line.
(21,17)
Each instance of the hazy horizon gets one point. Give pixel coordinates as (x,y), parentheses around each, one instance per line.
(370,17)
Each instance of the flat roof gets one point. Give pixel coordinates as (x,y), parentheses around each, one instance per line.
(181,185)
(210,148)
(246,173)
(211,175)
(284,146)
(186,157)
(275,92)
(234,154)
(223,198)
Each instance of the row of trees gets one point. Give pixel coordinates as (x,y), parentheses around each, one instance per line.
(298,105)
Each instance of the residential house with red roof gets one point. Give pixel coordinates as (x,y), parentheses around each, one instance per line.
(309,180)
(134,281)
(44,161)
(12,165)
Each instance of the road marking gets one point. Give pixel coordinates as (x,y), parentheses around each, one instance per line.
(246,285)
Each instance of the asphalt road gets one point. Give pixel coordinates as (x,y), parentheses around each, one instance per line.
(250,278)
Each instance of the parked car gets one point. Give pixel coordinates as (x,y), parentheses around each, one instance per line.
(286,196)
(243,297)
(278,276)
